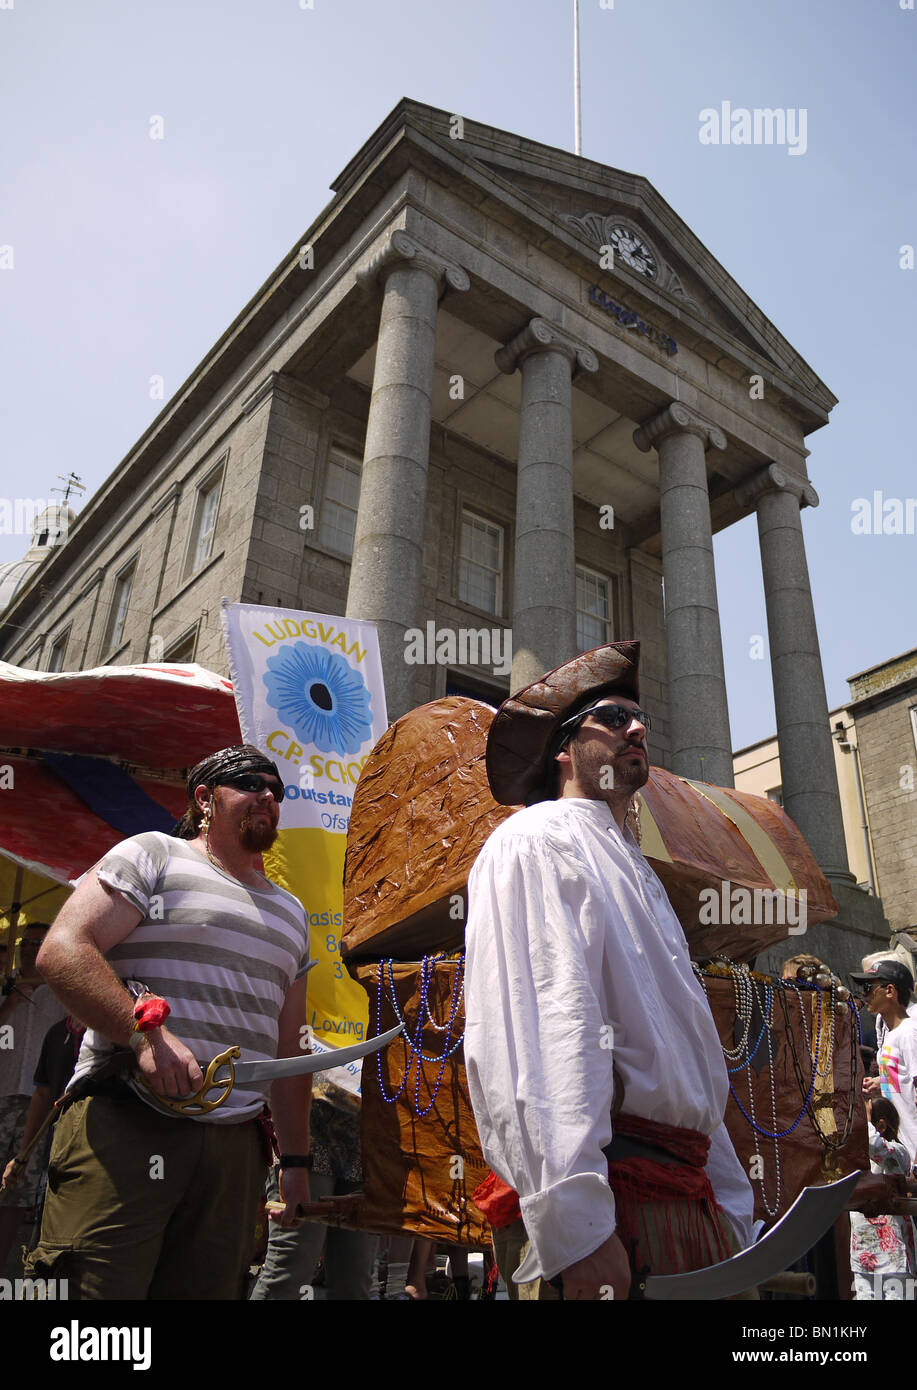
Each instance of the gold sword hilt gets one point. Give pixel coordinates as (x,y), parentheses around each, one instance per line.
(198,1104)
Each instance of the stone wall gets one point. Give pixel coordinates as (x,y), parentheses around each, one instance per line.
(888,757)
(151,528)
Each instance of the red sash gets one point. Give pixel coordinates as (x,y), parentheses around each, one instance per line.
(694,1233)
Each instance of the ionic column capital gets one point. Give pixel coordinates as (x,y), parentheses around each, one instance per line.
(676,418)
(773,478)
(400,249)
(539,335)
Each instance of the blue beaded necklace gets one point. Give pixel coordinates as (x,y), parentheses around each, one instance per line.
(814,1050)
(414,1044)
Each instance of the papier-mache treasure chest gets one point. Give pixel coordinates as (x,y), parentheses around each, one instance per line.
(421,813)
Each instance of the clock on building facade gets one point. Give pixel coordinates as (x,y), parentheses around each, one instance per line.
(630,247)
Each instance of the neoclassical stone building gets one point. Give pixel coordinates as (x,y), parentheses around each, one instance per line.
(496,388)
(875,749)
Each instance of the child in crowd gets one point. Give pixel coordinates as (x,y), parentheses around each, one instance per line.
(882,1254)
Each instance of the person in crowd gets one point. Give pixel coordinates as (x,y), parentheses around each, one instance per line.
(882,1253)
(594,1067)
(56,1062)
(887,986)
(144,1202)
(292,1253)
(28,1008)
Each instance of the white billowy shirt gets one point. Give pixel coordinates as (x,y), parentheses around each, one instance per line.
(575,962)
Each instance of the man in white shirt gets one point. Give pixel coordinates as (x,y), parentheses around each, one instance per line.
(588,1039)
(887,987)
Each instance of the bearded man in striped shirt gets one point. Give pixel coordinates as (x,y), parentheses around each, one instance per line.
(144,1202)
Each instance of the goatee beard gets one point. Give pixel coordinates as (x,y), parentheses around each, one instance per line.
(632,773)
(256,835)
(591,765)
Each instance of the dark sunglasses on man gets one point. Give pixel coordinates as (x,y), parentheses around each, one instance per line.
(254,782)
(612,716)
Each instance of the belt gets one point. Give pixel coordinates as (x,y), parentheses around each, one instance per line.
(622,1146)
(115,1089)
(112,1088)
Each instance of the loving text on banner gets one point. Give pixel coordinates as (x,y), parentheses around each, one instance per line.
(309,692)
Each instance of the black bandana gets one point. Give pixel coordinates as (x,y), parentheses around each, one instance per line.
(218,768)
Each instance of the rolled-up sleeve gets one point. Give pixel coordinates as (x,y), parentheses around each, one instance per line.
(538,1052)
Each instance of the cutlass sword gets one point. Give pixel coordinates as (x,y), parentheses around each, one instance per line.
(308,1062)
(811,1215)
(224,1072)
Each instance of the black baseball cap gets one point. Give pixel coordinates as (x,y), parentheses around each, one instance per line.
(891,972)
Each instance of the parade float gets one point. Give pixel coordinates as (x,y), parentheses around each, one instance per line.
(87,758)
(740,877)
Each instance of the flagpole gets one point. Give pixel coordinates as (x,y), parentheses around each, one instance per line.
(577,112)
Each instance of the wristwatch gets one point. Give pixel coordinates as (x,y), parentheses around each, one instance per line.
(296,1160)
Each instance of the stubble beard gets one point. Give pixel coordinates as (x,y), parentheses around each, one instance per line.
(591,762)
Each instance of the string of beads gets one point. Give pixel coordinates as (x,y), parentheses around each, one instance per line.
(414,1041)
(750,994)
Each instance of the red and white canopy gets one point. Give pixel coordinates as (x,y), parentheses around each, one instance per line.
(153,720)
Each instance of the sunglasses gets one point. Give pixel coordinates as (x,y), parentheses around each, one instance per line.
(254,782)
(616,716)
(612,716)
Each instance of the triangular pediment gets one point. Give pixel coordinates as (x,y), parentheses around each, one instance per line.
(643,248)
(581,202)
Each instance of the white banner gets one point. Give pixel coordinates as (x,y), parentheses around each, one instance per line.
(309,693)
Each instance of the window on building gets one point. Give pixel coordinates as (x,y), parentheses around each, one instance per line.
(914,723)
(58,651)
(182,651)
(340,503)
(593,609)
(475,690)
(481,564)
(121,598)
(206,506)
(775,794)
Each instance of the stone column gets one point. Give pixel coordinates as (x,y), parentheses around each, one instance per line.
(386,571)
(810,794)
(698,710)
(544,581)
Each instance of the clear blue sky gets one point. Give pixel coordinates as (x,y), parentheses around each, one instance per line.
(132,255)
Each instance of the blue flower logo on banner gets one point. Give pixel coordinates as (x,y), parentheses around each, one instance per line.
(319,695)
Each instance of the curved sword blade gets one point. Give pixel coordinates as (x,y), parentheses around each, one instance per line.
(309,1061)
(814,1211)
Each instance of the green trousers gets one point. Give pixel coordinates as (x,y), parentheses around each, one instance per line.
(143,1206)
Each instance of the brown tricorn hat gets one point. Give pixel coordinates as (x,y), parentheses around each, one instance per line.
(525,725)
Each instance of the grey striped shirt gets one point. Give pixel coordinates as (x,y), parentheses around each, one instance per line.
(221,952)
